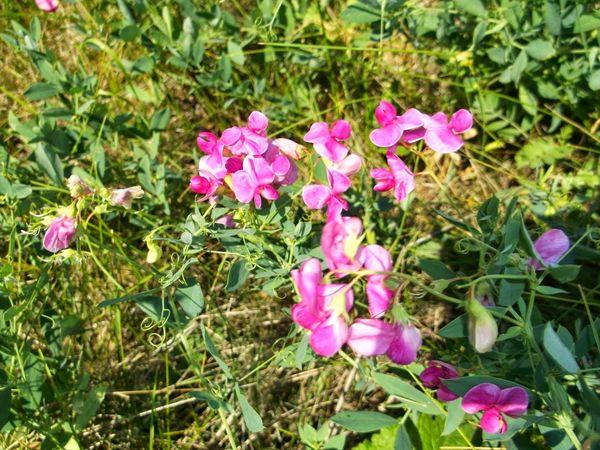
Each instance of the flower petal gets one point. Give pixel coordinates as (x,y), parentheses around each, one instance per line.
(230,136)
(348,166)
(461,121)
(369,337)
(319,132)
(315,196)
(513,401)
(405,345)
(379,296)
(552,245)
(328,337)
(481,397)
(339,182)
(258,122)
(386,136)
(492,422)
(443,140)
(385,113)
(341,130)
(243,187)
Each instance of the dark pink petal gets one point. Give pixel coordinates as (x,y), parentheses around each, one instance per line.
(331,149)
(445,395)
(384,179)
(230,136)
(438,119)
(243,187)
(315,196)
(552,245)
(481,397)
(257,199)
(268,192)
(335,206)
(305,315)
(258,122)
(513,401)
(369,337)
(387,136)
(341,130)
(319,132)
(443,140)
(461,121)
(339,182)
(233,164)
(385,113)
(415,135)
(379,297)
(405,345)
(328,337)
(259,170)
(207,141)
(492,422)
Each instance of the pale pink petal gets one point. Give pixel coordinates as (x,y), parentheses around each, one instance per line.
(289,147)
(405,345)
(291,176)
(331,149)
(47,5)
(341,130)
(259,170)
(230,136)
(552,245)
(335,206)
(329,292)
(387,136)
(328,337)
(375,257)
(319,131)
(481,397)
(385,113)
(513,401)
(339,182)
(243,187)
(384,179)
(315,196)
(379,296)
(348,166)
(442,140)
(258,122)
(411,119)
(461,121)
(60,234)
(492,422)
(253,143)
(268,192)
(369,337)
(404,179)
(438,119)
(281,166)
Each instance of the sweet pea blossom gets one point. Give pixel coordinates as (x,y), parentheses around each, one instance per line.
(440,134)
(348,166)
(254,181)
(399,177)
(328,141)
(289,148)
(317,196)
(60,234)
(125,197)
(284,168)
(434,374)
(376,258)
(483,330)
(370,337)
(340,242)
(551,246)
(47,5)
(248,140)
(392,125)
(495,402)
(321,308)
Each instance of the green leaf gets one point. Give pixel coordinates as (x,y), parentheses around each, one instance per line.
(408,395)
(363,421)
(402,440)
(518,66)
(87,407)
(564,273)
(130,33)
(210,346)
(585,23)
(552,17)
(549,290)
(487,215)
(528,100)
(5,401)
(558,351)
(238,273)
(540,49)
(190,298)
(510,291)
(436,269)
(212,401)
(50,164)
(540,151)
(455,329)
(251,417)
(363,11)
(160,120)
(594,80)
(236,53)
(454,418)
(337,442)
(460,386)
(474,7)
(155,308)
(41,91)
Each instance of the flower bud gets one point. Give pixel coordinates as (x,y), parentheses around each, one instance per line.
(483,330)
(125,197)
(77,187)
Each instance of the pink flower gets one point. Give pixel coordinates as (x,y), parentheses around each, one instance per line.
(370,337)
(328,142)
(399,178)
(125,197)
(207,142)
(321,308)
(378,259)
(551,246)
(340,242)
(439,134)
(285,169)
(348,166)
(434,374)
(254,181)
(47,5)
(317,196)
(392,125)
(289,148)
(248,140)
(60,234)
(494,402)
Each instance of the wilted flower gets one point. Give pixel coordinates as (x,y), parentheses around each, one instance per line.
(399,177)
(494,402)
(77,187)
(439,134)
(47,5)
(328,141)
(400,342)
(483,330)
(551,246)
(60,234)
(434,374)
(125,197)
(392,125)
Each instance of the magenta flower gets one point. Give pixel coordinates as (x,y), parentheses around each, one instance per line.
(439,134)
(47,5)
(399,177)
(370,337)
(551,246)
(321,308)
(254,181)
(317,196)
(434,374)
(392,125)
(125,197)
(284,168)
(378,259)
(207,142)
(248,140)
(328,142)
(495,402)
(340,242)
(60,234)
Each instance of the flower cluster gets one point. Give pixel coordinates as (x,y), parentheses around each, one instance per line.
(243,161)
